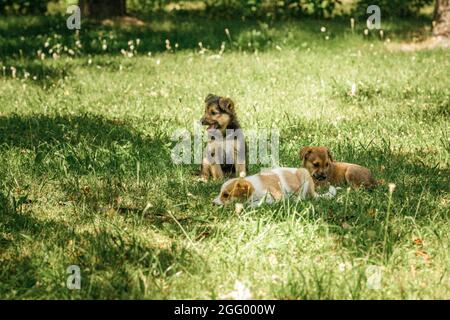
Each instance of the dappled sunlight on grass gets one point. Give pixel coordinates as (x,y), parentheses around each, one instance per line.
(86,176)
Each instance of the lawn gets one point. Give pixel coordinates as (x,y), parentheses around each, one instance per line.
(86,176)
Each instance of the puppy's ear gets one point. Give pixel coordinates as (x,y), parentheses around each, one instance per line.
(304,152)
(329,154)
(226,104)
(210,98)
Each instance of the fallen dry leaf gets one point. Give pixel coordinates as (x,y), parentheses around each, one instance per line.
(330,212)
(424,255)
(445,202)
(86,190)
(346,226)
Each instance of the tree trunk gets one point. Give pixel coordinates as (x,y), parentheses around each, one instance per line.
(103,8)
(442,18)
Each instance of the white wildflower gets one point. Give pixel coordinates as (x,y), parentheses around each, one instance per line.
(353,90)
(391,187)
(240,292)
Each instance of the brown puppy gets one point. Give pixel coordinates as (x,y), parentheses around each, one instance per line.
(225,152)
(324,170)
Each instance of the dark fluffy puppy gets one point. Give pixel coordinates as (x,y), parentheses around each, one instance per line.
(220,116)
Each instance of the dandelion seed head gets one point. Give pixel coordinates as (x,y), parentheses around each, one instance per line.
(391,187)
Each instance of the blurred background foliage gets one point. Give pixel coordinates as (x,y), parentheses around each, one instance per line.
(15,7)
(399,8)
(244,9)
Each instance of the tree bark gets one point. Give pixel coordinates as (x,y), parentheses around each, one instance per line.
(103,8)
(442,18)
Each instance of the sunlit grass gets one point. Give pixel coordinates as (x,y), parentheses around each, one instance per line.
(72,140)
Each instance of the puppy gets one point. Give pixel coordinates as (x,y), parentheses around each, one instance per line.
(319,162)
(270,186)
(226,139)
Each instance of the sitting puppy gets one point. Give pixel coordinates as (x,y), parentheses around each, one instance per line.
(324,170)
(225,152)
(269,186)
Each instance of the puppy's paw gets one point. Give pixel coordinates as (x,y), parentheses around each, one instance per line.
(330,194)
(238,207)
(332,191)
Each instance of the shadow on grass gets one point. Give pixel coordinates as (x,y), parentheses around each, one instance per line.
(25,37)
(67,148)
(36,71)
(4,204)
(24,41)
(49,35)
(115,254)
(47,131)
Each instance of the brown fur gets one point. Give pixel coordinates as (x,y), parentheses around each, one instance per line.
(324,170)
(292,180)
(240,189)
(273,181)
(220,114)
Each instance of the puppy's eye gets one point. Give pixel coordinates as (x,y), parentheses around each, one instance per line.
(316,165)
(225,195)
(214,113)
(327,164)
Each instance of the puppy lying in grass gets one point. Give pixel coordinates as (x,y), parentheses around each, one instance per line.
(220,117)
(270,186)
(319,162)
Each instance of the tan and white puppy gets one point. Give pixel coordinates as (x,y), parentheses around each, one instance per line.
(270,186)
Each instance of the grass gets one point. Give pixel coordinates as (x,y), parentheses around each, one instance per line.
(86,177)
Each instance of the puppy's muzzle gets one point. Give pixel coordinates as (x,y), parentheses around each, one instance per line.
(211,124)
(319,177)
(217,202)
